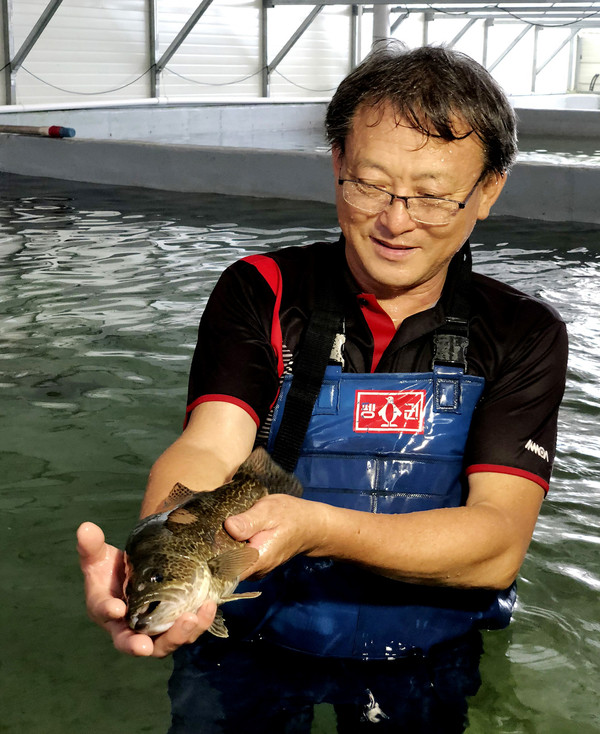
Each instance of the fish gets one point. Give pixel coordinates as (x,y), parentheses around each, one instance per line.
(177,559)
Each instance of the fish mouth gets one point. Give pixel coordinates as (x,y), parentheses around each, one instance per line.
(140,620)
(154,617)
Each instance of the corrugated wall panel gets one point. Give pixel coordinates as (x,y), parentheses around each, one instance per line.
(319,60)
(3,59)
(555,74)
(410,31)
(513,73)
(88,51)
(589,61)
(221,56)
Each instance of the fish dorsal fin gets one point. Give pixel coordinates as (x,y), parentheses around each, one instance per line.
(275,479)
(232,563)
(178,494)
(217,628)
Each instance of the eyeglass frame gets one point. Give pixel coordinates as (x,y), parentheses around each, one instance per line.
(461,204)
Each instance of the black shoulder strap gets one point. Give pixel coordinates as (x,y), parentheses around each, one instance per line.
(450,341)
(308,370)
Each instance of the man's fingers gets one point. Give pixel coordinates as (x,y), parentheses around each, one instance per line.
(186,629)
(246,524)
(90,543)
(130,642)
(108,609)
(102,567)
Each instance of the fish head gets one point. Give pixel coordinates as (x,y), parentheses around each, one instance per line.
(160,583)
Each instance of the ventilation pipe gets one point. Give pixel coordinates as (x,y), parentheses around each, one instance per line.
(381,22)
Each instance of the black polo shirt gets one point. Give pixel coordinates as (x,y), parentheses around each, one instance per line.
(255,317)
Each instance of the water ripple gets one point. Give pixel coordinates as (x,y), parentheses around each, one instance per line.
(102,290)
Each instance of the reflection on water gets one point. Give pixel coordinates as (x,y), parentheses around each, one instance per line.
(559,150)
(101,292)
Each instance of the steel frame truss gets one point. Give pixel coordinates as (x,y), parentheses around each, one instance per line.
(535,15)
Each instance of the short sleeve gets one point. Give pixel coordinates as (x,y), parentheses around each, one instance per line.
(234,360)
(514,427)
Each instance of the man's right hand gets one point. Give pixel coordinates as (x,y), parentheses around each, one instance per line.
(103,570)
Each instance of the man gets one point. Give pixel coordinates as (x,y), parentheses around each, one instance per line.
(428,452)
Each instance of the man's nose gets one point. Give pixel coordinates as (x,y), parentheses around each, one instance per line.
(396,218)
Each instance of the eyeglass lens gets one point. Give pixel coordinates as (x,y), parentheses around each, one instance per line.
(372,201)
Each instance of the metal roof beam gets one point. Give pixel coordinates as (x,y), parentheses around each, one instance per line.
(463,30)
(399,20)
(567,40)
(509,48)
(182,35)
(294,37)
(152,7)
(35,33)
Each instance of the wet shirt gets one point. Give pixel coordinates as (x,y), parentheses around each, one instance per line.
(255,318)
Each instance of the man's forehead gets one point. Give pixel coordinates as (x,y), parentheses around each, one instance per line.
(371,114)
(373,121)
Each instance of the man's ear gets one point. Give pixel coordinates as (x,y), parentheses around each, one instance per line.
(491,187)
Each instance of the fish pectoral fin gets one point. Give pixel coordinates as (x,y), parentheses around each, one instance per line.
(217,628)
(242,595)
(232,563)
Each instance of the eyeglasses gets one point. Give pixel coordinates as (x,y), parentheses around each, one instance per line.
(371,199)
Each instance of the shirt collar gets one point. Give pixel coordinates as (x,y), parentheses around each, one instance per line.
(453,295)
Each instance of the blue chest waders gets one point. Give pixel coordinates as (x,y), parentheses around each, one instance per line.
(383,443)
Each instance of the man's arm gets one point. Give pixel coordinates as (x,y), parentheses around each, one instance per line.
(218,438)
(481,545)
(216,441)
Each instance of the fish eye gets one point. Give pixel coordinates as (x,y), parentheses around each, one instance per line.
(156,578)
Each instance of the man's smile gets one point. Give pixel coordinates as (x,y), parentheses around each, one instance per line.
(398,249)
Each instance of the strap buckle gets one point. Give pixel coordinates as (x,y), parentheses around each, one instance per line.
(450,343)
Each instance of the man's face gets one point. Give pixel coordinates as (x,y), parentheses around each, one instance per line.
(388,253)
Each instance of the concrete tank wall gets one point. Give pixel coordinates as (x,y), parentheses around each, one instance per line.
(539,190)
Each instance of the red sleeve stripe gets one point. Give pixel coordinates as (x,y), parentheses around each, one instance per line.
(269,270)
(499,469)
(215,397)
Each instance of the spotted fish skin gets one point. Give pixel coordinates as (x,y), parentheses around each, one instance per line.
(178,559)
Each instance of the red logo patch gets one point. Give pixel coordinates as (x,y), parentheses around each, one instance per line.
(392,411)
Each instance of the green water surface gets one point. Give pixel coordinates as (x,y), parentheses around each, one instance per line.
(101,290)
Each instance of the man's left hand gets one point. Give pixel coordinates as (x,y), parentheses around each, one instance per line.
(279,527)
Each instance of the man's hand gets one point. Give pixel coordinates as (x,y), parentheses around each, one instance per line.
(103,570)
(279,527)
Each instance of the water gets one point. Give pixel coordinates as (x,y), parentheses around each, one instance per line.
(101,292)
(559,150)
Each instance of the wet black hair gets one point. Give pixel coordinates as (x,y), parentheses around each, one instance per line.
(437,90)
